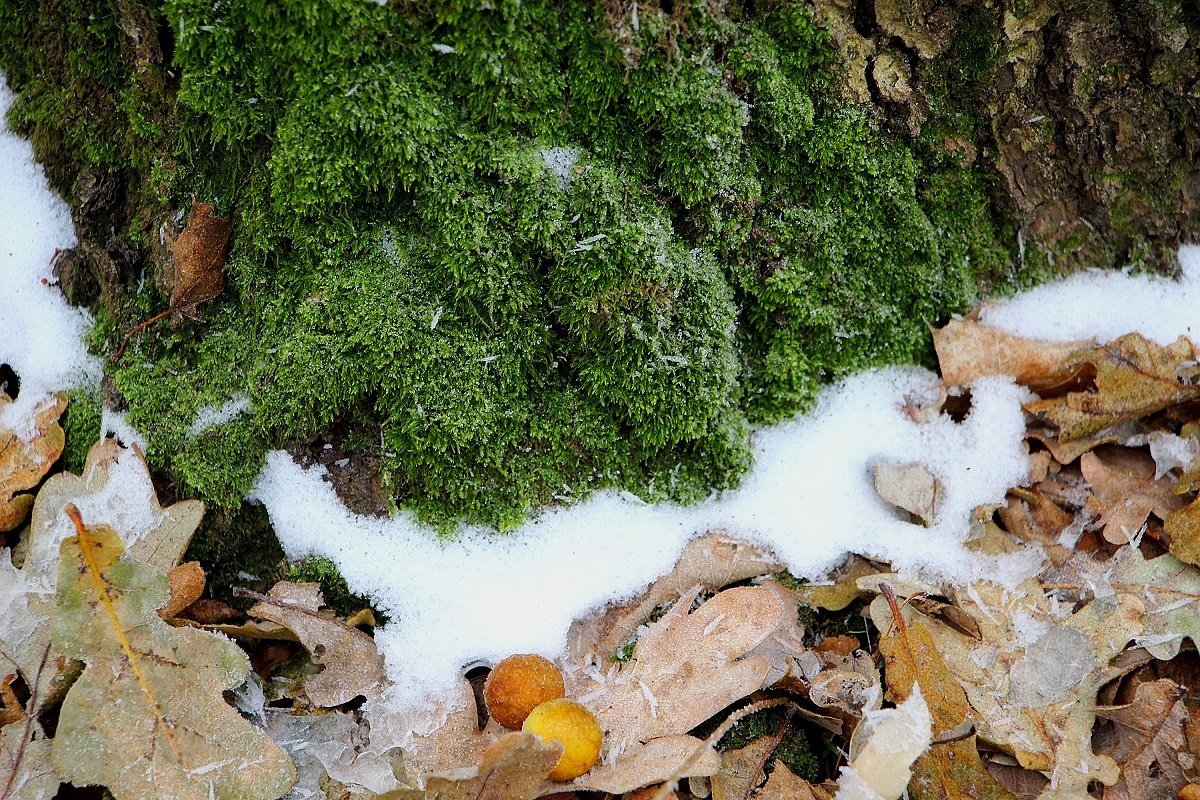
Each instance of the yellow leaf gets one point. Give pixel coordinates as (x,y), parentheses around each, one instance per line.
(147,719)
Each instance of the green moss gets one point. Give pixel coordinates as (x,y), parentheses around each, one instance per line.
(318,569)
(81,423)
(718,236)
(794,749)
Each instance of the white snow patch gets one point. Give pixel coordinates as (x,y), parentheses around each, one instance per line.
(809,498)
(1106,304)
(114,423)
(209,417)
(40,334)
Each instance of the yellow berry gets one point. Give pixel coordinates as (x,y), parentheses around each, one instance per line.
(570,723)
(519,684)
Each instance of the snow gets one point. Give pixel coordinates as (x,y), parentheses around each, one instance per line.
(560,161)
(1105,305)
(40,334)
(480,596)
(209,417)
(809,498)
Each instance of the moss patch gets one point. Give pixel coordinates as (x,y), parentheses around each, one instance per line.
(543,251)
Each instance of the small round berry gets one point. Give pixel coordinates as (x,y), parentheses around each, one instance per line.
(570,723)
(519,684)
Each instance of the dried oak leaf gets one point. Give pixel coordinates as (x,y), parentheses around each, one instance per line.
(199,253)
(514,768)
(187,584)
(116,487)
(1135,377)
(712,561)
(147,719)
(688,666)
(911,487)
(24,463)
(883,750)
(1033,676)
(951,770)
(352,664)
(25,771)
(742,769)
(1125,491)
(786,785)
(1148,742)
(968,349)
(1182,527)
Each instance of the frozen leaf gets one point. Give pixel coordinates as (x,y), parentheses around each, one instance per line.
(949,769)
(840,587)
(1033,517)
(1033,676)
(712,562)
(785,785)
(1168,589)
(1125,491)
(25,771)
(514,768)
(1183,529)
(333,745)
(146,719)
(187,584)
(24,463)
(653,762)
(115,487)
(910,487)
(199,255)
(689,666)
(968,349)
(1148,742)
(883,750)
(742,769)
(352,665)
(1134,378)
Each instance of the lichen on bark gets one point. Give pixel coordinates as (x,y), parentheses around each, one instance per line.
(488,257)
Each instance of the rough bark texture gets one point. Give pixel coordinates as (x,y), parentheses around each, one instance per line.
(1087,112)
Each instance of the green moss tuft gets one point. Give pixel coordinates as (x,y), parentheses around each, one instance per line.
(81,423)
(545,253)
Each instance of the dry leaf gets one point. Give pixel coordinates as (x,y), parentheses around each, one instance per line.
(840,587)
(514,768)
(146,719)
(785,785)
(25,771)
(1148,742)
(1033,517)
(952,769)
(883,750)
(24,463)
(711,561)
(968,349)
(653,762)
(187,584)
(1125,491)
(116,487)
(199,254)
(1033,677)
(1182,527)
(1134,378)
(910,487)
(742,769)
(352,665)
(688,666)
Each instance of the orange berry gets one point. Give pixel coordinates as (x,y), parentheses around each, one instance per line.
(519,684)
(570,723)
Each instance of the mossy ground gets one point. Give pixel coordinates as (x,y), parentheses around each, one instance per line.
(541,249)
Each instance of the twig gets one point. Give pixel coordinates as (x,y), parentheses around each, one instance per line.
(134,331)
(27,733)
